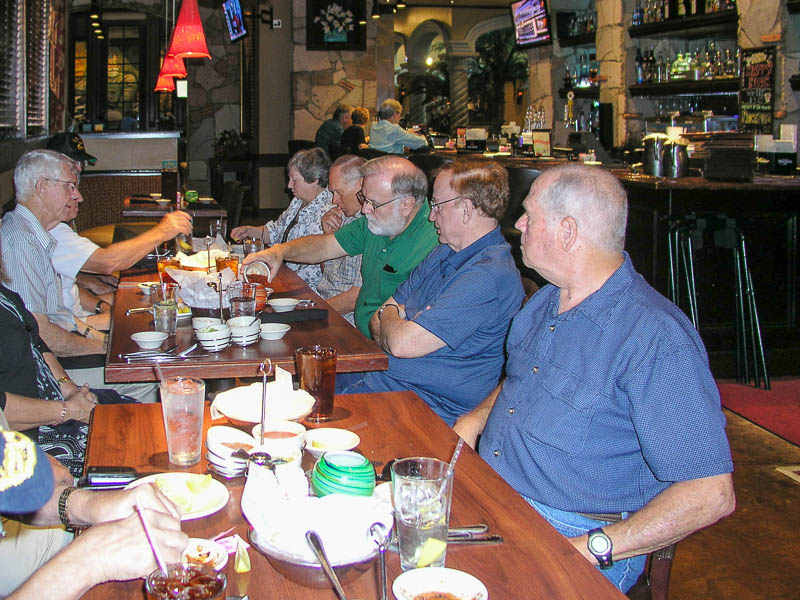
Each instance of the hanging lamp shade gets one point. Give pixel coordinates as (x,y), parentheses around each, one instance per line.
(188,39)
(172,67)
(165,83)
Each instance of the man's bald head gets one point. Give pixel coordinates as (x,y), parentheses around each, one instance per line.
(406,178)
(593,197)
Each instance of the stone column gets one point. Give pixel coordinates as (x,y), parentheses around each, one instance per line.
(458,55)
(384,58)
(416,99)
(612,53)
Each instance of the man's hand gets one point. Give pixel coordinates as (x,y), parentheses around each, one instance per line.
(332,220)
(239,233)
(118,550)
(470,425)
(273,257)
(98,284)
(89,507)
(174,223)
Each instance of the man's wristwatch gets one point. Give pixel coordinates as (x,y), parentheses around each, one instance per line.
(384,307)
(600,546)
(98,308)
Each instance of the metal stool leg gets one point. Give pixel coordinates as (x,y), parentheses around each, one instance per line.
(742,364)
(759,359)
(691,289)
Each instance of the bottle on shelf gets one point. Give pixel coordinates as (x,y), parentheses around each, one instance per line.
(567,78)
(638,14)
(639,66)
(696,66)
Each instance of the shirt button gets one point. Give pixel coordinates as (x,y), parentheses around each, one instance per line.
(511,411)
(535,370)
(496,452)
(552,327)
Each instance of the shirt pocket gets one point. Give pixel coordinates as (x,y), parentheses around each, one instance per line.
(563,411)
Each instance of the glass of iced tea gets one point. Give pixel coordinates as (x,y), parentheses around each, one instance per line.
(228,262)
(316,369)
(184,580)
(168,263)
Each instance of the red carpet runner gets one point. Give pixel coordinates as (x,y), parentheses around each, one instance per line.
(777,410)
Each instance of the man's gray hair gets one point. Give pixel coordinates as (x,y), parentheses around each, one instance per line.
(407,178)
(312,164)
(349,166)
(35,165)
(341,110)
(389,108)
(593,197)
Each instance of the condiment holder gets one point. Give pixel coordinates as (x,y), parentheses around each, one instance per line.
(345,472)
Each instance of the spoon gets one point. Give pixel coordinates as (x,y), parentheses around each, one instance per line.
(312,537)
(378,532)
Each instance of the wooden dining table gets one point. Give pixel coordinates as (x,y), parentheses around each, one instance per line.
(201,212)
(355,352)
(533,562)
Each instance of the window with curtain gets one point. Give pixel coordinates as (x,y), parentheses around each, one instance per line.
(23,68)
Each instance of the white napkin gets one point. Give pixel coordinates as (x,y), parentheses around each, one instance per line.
(200,259)
(195,291)
(282,399)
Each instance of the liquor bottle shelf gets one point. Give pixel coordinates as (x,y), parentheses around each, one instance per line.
(588,93)
(722,24)
(584,39)
(708,87)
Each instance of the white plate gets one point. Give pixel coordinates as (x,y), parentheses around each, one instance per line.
(244,403)
(213,498)
(205,552)
(438,579)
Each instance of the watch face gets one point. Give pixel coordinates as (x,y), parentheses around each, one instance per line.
(599,543)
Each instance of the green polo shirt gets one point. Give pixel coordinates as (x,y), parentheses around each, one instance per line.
(386,263)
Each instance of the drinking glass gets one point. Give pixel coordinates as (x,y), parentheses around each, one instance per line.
(251,245)
(165,316)
(231,262)
(165,263)
(422,492)
(316,370)
(182,403)
(185,580)
(242,299)
(166,292)
(217,228)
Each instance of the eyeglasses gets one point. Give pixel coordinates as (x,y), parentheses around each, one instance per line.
(362,199)
(434,205)
(70,184)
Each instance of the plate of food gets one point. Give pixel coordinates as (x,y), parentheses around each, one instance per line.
(195,495)
(438,583)
(205,552)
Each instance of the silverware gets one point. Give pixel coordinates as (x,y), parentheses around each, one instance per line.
(188,350)
(149,352)
(378,532)
(312,537)
(305,302)
(163,358)
(140,309)
(478,539)
(467,530)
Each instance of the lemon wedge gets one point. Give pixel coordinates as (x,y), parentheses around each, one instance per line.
(176,492)
(320,445)
(432,549)
(242,562)
(198,483)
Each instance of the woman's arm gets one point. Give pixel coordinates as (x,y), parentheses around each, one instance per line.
(24,413)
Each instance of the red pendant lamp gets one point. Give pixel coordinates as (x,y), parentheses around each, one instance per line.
(165,83)
(188,39)
(172,67)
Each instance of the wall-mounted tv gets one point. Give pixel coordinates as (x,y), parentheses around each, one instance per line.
(531,23)
(234,19)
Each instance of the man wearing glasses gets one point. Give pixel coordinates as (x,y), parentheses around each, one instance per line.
(456,306)
(46,193)
(393,235)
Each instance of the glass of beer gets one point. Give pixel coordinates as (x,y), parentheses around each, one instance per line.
(165,263)
(185,580)
(316,369)
(230,262)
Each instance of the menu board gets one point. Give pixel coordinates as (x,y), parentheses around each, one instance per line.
(756,90)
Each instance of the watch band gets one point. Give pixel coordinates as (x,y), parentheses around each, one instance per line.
(97,307)
(63,507)
(600,546)
(384,307)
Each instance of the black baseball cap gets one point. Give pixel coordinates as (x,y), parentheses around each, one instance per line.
(71,145)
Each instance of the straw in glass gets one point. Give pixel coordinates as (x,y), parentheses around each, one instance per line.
(156,554)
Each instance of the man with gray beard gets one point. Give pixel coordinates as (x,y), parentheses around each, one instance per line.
(393,235)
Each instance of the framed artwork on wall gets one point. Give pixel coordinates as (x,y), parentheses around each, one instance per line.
(334,25)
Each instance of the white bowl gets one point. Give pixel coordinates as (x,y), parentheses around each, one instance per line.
(295,438)
(274,331)
(224,441)
(283,304)
(155,196)
(203,322)
(205,199)
(417,582)
(215,340)
(243,404)
(244,340)
(162,201)
(322,440)
(240,326)
(149,340)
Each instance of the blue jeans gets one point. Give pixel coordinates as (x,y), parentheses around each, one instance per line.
(623,573)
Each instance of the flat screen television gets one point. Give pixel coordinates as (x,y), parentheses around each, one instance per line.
(234,19)
(531,23)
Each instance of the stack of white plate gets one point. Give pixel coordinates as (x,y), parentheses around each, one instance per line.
(221,443)
(244,331)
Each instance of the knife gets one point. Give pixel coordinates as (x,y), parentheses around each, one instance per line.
(479,539)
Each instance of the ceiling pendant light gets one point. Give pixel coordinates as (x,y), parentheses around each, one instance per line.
(188,39)
(165,83)
(172,67)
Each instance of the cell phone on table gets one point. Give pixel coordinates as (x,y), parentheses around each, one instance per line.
(108,478)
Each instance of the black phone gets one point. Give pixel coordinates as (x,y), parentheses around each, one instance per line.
(109,477)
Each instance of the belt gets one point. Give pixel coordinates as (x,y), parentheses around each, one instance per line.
(610,517)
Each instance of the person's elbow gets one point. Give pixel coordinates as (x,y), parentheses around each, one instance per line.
(104,261)
(720,499)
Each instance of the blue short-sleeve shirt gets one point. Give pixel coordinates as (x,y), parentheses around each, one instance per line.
(605,405)
(467,299)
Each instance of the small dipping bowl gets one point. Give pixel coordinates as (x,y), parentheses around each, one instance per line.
(149,340)
(343,473)
(281,434)
(274,331)
(215,340)
(203,322)
(242,333)
(328,439)
(283,304)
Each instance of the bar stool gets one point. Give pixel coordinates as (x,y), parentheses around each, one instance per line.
(687,234)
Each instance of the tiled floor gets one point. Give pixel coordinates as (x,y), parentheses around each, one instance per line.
(754,553)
